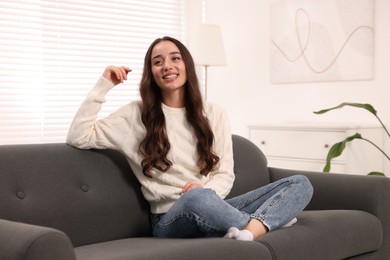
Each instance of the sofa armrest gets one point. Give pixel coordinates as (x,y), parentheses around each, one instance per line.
(343,191)
(30,242)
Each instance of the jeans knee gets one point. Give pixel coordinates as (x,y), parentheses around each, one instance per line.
(306,186)
(198,193)
(196,198)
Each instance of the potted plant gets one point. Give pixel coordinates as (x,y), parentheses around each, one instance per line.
(338,148)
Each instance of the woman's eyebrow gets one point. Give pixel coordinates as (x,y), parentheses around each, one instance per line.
(157,56)
(171,53)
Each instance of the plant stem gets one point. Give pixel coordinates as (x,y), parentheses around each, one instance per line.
(377,147)
(380,121)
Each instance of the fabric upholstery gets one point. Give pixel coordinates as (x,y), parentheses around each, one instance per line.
(72,190)
(86,204)
(31,242)
(169,249)
(336,234)
(250,166)
(370,194)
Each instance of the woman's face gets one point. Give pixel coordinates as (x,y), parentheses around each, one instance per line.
(168,68)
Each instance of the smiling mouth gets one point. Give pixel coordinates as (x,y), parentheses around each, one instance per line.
(173,76)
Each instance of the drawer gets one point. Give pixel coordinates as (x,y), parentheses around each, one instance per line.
(301,143)
(307,165)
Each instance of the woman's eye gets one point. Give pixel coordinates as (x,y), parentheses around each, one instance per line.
(157,62)
(176,58)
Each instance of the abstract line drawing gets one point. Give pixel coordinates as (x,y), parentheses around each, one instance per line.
(322,40)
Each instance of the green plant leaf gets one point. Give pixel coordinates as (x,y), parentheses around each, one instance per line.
(337,149)
(376,174)
(368,107)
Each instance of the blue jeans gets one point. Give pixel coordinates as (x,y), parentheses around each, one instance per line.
(202,213)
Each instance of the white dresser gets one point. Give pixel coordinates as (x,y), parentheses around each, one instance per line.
(305,147)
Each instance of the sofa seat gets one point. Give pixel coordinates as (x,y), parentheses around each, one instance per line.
(336,234)
(168,249)
(358,232)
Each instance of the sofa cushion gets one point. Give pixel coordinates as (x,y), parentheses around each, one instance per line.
(327,234)
(250,166)
(168,249)
(91,195)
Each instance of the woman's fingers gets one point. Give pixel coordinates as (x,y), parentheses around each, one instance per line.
(124,70)
(189,186)
(116,74)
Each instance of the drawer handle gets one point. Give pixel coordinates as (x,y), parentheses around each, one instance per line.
(263,142)
(326,145)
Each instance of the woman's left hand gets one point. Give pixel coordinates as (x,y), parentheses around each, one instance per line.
(189,186)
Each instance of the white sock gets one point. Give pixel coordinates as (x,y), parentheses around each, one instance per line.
(235,233)
(290,223)
(245,235)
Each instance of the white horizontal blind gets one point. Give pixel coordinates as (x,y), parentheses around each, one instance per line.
(53,52)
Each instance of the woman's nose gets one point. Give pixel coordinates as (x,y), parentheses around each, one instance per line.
(168,65)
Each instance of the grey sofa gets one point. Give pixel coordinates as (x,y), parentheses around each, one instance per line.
(58,202)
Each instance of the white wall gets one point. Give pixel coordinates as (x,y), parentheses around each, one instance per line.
(244,89)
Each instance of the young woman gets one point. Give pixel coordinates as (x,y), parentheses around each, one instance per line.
(180,149)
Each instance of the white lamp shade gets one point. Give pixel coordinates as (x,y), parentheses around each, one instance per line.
(206,46)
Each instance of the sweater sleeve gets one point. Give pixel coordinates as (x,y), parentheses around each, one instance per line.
(86,131)
(221,180)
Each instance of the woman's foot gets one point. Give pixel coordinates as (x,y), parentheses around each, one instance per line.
(235,233)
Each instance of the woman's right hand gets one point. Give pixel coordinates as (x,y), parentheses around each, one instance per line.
(116,74)
(190,186)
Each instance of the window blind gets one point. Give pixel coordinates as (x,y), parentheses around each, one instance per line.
(53,52)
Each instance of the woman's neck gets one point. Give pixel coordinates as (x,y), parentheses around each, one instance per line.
(174,99)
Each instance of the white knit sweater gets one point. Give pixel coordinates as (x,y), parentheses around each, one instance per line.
(123,130)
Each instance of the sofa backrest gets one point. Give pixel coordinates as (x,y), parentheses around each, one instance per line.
(92,195)
(250,166)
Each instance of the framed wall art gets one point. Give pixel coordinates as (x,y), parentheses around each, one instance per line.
(321,40)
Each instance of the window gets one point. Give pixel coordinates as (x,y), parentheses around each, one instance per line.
(53,52)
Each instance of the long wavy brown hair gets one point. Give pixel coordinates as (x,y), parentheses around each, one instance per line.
(155,146)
